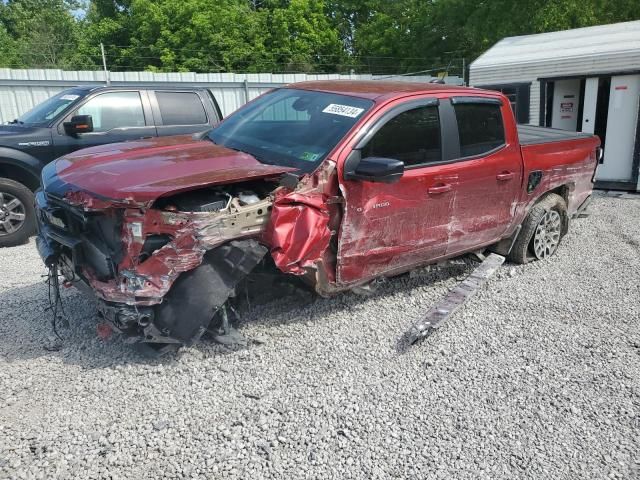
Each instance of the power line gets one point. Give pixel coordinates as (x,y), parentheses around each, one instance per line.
(215,62)
(249,54)
(261,54)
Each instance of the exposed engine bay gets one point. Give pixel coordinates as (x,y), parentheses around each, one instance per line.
(147,265)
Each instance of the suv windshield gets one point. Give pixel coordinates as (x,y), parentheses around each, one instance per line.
(289,127)
(46,111)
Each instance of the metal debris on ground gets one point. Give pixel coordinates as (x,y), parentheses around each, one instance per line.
(436,316)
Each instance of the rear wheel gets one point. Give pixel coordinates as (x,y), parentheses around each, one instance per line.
(547,236)
(542,230)
(17,213)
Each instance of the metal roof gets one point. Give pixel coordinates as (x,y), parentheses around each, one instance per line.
(589,44)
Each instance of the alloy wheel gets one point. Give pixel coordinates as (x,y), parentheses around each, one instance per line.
(547,236)
(12,214)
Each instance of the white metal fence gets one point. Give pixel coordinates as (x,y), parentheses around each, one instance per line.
(20,90)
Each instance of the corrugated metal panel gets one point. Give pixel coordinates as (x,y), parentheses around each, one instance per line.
(583,51)
(16,101)
(502,74)
(534,104)
(579,43)
(21,90)
(625,61)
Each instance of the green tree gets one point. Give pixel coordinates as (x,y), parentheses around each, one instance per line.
(8,48)
(213,35)
(298,36)
(44,32)
(378,36)
(421,34)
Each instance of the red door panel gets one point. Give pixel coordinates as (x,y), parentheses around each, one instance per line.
(433,211)
(489,185)
(487,193)
(387,227)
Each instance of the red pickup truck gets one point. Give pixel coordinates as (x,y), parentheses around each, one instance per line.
(336,183)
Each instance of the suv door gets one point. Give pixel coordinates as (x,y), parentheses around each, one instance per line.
(181,112)
(389,228)
(489,182)
(117,116)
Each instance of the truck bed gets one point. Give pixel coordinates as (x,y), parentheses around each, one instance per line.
(565,160)
(531,135)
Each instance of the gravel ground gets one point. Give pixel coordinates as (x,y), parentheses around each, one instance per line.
(537,377)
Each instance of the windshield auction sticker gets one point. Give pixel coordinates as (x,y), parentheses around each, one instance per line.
(343,110)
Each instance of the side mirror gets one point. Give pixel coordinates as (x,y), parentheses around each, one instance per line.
(374,169)
(78,124)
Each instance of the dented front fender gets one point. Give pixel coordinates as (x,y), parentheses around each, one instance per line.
(298,233)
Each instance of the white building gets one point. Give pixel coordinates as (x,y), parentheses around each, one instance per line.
(587,79)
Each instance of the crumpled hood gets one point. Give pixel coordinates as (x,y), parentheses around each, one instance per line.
(144,170)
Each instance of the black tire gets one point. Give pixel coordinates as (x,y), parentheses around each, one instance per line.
(523,250)
(9,237)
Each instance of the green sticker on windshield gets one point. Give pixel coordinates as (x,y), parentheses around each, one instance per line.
(309,156)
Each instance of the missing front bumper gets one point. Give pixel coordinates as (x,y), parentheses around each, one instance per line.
(181,313)
(187,310)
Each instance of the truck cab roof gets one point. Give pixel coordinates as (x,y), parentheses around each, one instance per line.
(379,90)
(93,88)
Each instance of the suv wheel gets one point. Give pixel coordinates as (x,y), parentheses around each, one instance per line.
(17,213)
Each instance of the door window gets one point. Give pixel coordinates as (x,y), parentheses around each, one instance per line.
(114,110)
(181,108)
(412,137)
(480,128)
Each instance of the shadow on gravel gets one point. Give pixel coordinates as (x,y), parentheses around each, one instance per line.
(306,306)
(26,331)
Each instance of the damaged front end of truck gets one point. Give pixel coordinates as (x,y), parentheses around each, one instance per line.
(159,272)
(164,231)
(162,270)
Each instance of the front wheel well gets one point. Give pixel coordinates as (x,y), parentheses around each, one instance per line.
(20,175)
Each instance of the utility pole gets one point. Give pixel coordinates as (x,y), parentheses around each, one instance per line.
(104,64)
(464,72)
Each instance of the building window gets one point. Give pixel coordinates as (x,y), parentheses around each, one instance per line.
(519,95)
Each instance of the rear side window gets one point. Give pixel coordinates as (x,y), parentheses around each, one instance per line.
(181,108)
(413,137)
(480,128)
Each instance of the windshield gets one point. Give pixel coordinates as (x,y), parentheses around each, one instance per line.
(46,111)
(292,128)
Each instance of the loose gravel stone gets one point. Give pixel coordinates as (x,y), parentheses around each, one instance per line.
(537,377)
